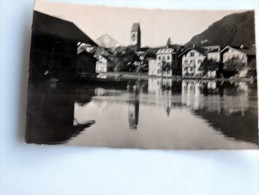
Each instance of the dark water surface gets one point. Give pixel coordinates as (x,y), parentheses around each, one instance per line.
(152,114)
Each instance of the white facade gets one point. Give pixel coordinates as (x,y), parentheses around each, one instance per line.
(152,67)
(212,74)
(164,57)
(191,62)
(230,53)
(101,64)
(215,56)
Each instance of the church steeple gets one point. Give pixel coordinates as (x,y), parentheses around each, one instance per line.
(135,37)
(168,42)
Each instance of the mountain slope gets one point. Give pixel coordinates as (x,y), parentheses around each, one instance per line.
(107,41)
(234,29)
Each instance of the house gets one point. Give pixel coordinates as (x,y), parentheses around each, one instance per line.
(192,59)
(54,47)
(164,58)
(243,55)
(85,64)
(103,64)
(213,52)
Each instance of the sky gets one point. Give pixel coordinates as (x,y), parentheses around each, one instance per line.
(157,25)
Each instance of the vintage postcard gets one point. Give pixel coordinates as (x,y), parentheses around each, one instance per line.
(142,78)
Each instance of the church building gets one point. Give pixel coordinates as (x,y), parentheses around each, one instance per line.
(135,36)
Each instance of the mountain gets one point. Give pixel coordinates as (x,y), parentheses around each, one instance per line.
(107,41)
(235,29)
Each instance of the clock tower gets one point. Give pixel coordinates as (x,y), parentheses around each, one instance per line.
(135,36)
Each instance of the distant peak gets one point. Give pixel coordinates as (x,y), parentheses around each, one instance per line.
(107,41)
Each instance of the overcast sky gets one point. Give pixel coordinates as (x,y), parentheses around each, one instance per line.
(156,25)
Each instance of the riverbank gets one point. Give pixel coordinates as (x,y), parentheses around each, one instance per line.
(144,76)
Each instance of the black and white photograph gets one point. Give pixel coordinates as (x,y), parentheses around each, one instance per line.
(123,77)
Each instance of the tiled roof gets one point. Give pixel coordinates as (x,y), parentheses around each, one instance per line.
(165,51)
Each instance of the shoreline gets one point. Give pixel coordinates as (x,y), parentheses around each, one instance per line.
(123,75)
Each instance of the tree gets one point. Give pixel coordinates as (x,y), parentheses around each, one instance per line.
(234,64)
(209,65)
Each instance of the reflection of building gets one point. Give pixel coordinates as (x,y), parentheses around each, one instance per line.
(52,120)
(133,114)
(191,94)
(135,37)
(191,61)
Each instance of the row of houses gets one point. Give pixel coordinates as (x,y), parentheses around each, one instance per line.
(191,60)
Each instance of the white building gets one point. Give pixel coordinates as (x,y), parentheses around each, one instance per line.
(152,67)
(103,64)
(240,54)
(162,65)
(191,62)
(213,52)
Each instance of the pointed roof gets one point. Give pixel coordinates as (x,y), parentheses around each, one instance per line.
(60,28)
(135,27)
(168,43)
(247,51)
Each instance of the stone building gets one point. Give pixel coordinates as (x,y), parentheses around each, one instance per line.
(135,36)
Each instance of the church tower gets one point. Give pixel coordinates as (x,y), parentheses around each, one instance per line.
(135,36)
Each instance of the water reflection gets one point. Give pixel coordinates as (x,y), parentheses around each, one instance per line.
(163,113)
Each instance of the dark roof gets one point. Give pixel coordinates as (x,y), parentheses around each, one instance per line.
(58,27)
(200,50)
(247,51)
(87,54)
(135,27)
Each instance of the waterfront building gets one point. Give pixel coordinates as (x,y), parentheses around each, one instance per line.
(213,52)
(191,61)
(103,64)
(85,63)
(243,55)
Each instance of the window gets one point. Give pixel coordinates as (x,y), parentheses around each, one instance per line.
(159,58)
(192,61)
(133,37)
(168,57)
(192,54)
(185,61)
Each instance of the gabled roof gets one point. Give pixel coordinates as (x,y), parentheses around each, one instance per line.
(135,27)
(87,54)
(165,51)
(60,28)
(247,51)
(200,50)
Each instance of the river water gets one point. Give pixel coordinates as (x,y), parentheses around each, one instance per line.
(150,114)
